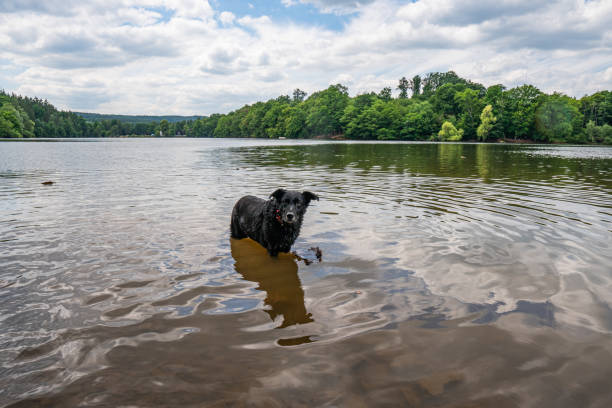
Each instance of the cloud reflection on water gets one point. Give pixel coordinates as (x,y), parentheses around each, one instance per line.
(452,274)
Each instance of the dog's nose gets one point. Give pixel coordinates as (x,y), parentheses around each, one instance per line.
(289,216)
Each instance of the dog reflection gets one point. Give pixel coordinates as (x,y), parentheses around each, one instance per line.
(278,277)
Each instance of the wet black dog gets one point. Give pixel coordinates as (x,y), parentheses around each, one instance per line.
(274,223)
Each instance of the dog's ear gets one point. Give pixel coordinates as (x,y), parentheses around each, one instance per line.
(308,196)
(278,194)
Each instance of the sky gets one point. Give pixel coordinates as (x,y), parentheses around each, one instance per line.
(198,57)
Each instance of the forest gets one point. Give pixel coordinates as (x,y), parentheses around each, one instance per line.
(439,106)
(100,117)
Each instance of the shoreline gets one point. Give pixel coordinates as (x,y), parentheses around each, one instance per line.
(317,139)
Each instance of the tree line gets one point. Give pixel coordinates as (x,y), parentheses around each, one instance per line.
(438,106)
(99,117)
(26,117)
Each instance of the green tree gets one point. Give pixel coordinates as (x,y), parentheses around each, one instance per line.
(164,128)
(522,103)
(224,126)
(295,122)
(325,110)
(496,97)
(592,131)
(449,133)
(606,134)
(487,120)
(598,134)
(444,101)
(403,87)
(419,122)
(521,112)
(11,122)
(391,119)
(28,124)
(385,94)
(298,95)
(469,105)
(597,108)
(210,124)
(363,126)
(172,129)
(383,120)
(558,119)
(273,121)
(434,80)
(415,85)
(251,124)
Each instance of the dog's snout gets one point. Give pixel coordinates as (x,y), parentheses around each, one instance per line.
(290,216)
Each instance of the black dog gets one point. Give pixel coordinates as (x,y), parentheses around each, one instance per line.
(275,223)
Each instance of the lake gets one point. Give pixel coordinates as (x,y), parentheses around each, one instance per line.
(451,275)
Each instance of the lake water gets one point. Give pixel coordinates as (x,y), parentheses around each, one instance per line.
(451,275)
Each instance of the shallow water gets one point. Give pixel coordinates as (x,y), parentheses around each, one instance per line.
(451,275)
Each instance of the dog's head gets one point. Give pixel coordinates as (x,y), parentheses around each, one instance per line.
(290,206)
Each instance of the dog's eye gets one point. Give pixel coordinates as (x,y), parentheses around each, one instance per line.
(286,201)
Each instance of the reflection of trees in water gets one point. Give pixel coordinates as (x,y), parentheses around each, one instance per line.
(483,162)
(450,157)
(277,276)
(487,161)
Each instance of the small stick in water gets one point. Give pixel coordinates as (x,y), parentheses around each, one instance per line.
(318,253)
(299,258)
(47,183)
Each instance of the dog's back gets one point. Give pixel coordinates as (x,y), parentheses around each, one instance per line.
(247,217)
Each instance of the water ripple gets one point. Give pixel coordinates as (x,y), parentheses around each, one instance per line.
(123,271)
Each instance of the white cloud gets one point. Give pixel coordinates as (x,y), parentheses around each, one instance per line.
(226,17)
(184,57)
(199,9)
(138,16)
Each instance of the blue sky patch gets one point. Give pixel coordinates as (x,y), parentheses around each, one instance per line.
(303,14)
(166,14)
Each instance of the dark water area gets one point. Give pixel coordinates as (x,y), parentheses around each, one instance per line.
(460,275)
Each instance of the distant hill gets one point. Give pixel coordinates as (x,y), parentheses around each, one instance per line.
(25,117)
(99,117)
